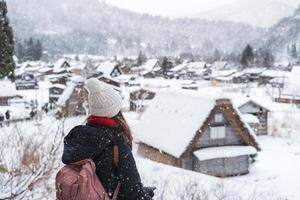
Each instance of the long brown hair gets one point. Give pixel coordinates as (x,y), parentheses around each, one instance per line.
(120,119)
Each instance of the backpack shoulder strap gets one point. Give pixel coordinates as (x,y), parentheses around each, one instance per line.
(116,162)
(116,155)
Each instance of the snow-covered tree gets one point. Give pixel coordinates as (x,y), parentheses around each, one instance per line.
(7,64)
(247,56)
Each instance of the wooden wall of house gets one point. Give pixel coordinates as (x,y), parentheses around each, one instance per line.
(223,167)
(4,101)
(261,113)
(156,155)
(288,100)
(231,137)
(74,105)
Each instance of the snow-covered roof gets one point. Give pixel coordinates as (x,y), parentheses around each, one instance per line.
(254,70)
(7,89)
(292,84)
(263,101)
(149,65)
(59,63)
(61,86)
(192,66)
(249,118)
(225,73)
(77,79)
(172,119)
(30,66)
(66,94)
(196,65)
(219,65)
(224,152)
(45,69)
(296,70)
(106,68)
(275,73)
(179,67)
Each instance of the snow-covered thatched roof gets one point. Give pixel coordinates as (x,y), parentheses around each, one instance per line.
(106,68)
(218,65)
(149,66)
(7,89)
(66,94)
(173,118)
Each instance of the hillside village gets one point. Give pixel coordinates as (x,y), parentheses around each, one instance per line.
(53,85)
(220,115)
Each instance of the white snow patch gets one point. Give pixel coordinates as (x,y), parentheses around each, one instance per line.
(224,152)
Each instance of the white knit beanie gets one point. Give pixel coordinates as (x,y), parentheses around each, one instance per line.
(103,100)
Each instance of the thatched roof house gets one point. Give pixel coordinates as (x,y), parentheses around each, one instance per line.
(196,132)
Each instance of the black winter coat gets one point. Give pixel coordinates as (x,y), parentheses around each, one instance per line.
(96,142)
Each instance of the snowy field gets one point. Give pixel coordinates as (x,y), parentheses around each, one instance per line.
(274,175)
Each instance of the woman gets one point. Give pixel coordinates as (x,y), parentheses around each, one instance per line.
(105,128)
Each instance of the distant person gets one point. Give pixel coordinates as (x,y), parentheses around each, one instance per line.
(106,133)
(7,115)
(1,119)
(32,114)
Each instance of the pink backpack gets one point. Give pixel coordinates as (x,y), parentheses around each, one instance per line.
(79,181)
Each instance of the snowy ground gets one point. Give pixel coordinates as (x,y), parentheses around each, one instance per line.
(274,175)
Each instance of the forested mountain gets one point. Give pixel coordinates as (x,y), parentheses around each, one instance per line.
(90,26)
(284,37)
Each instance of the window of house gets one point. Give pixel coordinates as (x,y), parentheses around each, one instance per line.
(217,132)
(218,118)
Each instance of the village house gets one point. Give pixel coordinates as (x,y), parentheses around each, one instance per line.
(290,91)
(253,73)
(109,80)
(255,112)
(109,69)
(197,70)
(8,92)
(219,65)
(224,76)
(71,102)
(55,91)
(58,78)
(139,99)
(61,66)
(267,76)
(150,69)
(32,67)
(26,80)
(240,77)
(196,132)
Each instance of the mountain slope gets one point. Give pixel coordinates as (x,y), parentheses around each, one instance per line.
(263,13)
(285,34)
(89,26)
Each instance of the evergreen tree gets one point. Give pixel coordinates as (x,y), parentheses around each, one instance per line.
(247,56)
(20,51)
(29,49)
(38,50)
(267,59)
(217,55)
(293,51)
(7,64)
(166,65)
(141,58)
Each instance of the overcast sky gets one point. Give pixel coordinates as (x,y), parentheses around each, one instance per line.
(169,8)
